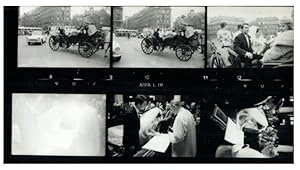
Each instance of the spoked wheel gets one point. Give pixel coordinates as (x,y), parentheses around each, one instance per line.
(85,49)
(53,43)
(184,52)
(217,62)
(147,46)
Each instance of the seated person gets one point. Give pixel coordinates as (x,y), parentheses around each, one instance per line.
(189,31)
(169,34)
(282,49)
(157,35)
(242,46)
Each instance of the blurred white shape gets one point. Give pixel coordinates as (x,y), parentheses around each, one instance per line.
(115,135)
(62,125)
(233,133)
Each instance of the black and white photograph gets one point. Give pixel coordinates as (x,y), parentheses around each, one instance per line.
(160,126)
(251,126)
(177,84)
(58,124)
(250,37)
(158,37)
(64,36)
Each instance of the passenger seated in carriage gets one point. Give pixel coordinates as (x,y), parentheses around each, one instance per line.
(282,48)
(169,34)
(158,37)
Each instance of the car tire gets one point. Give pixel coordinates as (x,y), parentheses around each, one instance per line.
(29,43)
(116,59)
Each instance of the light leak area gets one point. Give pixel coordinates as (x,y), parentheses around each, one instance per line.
(58,124)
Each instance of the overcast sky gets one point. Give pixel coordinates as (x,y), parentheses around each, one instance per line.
(250,13)
(74,10)
(175,11)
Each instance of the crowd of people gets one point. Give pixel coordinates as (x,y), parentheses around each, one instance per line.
(144,118)
(248,47)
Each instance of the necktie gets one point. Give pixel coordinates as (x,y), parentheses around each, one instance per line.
(248,41)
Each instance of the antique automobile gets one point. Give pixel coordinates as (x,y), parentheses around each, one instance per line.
(87,44)
(36,37)
(184,47)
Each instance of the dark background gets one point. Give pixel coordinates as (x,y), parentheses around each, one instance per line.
(242,87)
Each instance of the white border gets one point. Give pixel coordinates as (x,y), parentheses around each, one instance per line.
(155,3)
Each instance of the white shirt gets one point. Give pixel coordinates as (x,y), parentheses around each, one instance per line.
(247,39)
(183,138)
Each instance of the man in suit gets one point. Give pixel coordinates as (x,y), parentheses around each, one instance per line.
(242,46)
(131,119)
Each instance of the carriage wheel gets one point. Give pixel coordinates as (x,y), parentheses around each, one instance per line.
(217,62)
(147,46)
(96,48)
(184,52)
(85,49)
(53,43)
(160,48)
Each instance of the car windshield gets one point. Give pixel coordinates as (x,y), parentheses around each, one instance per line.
(37,33)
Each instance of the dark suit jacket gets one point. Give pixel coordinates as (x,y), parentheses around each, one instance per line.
(240,46)
(131,129)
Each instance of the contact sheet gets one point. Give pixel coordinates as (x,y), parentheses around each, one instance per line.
(149,84)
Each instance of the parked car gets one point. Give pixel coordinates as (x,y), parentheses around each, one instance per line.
(141,35)
(36,37)
(116,50)
(133,34)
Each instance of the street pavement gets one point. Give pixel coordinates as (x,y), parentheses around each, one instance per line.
(43,56)
(134,57)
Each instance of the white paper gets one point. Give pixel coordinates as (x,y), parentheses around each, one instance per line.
(115,135)
(233,133)
(158,143)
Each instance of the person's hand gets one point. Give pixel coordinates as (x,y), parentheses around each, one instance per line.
(249,55)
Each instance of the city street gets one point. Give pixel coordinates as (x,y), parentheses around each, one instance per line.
(133,56)
(43,56)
